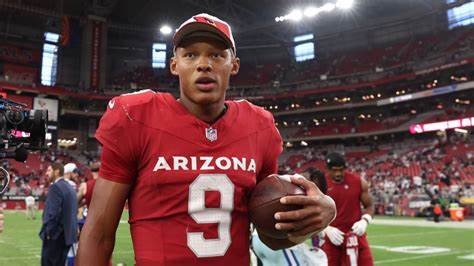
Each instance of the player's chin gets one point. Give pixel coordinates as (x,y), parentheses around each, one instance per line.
(207,97)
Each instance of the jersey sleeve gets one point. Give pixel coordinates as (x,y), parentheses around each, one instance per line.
(115,133)
(272,150)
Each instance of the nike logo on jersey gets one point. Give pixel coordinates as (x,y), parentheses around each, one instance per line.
(111,104)
(204,163)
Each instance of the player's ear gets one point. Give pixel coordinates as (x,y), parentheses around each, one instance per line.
(235,66)
(173,64)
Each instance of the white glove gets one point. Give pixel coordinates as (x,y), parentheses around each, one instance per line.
(360,226)
(335,235)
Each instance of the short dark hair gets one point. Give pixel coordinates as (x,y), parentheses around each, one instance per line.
(335,160)
(58,166)
(317,176)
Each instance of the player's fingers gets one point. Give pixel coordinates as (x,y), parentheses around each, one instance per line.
(306,231)
(285,226)
(296,215)
(313,220)
(310,188)
(337,240)
(298,225)
(301,200)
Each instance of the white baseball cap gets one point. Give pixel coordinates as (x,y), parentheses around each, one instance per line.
(69,168)
(205,25)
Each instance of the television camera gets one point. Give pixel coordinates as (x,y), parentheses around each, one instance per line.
(21,130)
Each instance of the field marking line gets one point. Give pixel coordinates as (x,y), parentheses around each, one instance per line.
(423,223)
(419,257)
(379,247)
(413,234)
(467,257)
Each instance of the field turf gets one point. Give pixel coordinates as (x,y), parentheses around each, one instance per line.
(394,244)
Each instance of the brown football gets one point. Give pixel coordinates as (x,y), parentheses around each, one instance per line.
(265,202)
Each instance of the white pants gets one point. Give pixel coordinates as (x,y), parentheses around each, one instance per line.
(30,211)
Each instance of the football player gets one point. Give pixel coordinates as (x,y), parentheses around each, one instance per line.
(346,241)
(187,166)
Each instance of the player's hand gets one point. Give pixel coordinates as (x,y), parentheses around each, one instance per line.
(360,226)
(318,211)
(335,235)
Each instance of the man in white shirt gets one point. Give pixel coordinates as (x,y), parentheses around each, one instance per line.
(68,174)
(299,255)
(30,207)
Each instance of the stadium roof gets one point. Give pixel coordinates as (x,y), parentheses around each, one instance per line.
(253,21)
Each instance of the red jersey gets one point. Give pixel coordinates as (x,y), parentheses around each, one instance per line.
(90,188)
(346,195)
(191,180)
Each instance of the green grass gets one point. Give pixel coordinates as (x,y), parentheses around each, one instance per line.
(20,244)
(460,242)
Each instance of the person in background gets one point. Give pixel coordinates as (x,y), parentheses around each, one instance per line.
(437,210)
(85,188)
(30,206)
(345,238)
(59,230)
(84,193)
(69,174)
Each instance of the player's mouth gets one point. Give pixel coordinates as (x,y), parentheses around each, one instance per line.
(206,83)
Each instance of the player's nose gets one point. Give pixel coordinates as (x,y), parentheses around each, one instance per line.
(204,65)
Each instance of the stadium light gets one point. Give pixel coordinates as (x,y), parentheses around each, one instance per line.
(311,11)
(165,30)
(344,4)
(328,7)
(295,15)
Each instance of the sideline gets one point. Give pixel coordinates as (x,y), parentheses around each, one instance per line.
(423,223)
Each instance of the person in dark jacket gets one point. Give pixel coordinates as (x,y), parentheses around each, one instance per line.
(59,230)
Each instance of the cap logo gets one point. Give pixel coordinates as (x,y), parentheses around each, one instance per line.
(218,26)
(204,19)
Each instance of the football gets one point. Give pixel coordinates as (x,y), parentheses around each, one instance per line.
(265,202)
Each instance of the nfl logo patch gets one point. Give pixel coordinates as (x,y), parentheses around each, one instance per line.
(211,134)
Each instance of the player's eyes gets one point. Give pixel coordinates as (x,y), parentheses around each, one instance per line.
(189,55)
(217,55)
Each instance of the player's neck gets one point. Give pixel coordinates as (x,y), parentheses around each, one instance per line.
(208,113)
(337,181)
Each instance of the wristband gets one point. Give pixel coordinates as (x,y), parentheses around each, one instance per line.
(367,218)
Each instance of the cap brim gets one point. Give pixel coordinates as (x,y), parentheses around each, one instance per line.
(199,29)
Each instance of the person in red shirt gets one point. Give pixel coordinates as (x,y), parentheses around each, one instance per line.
(84,192)
(188,166)
(345,239)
